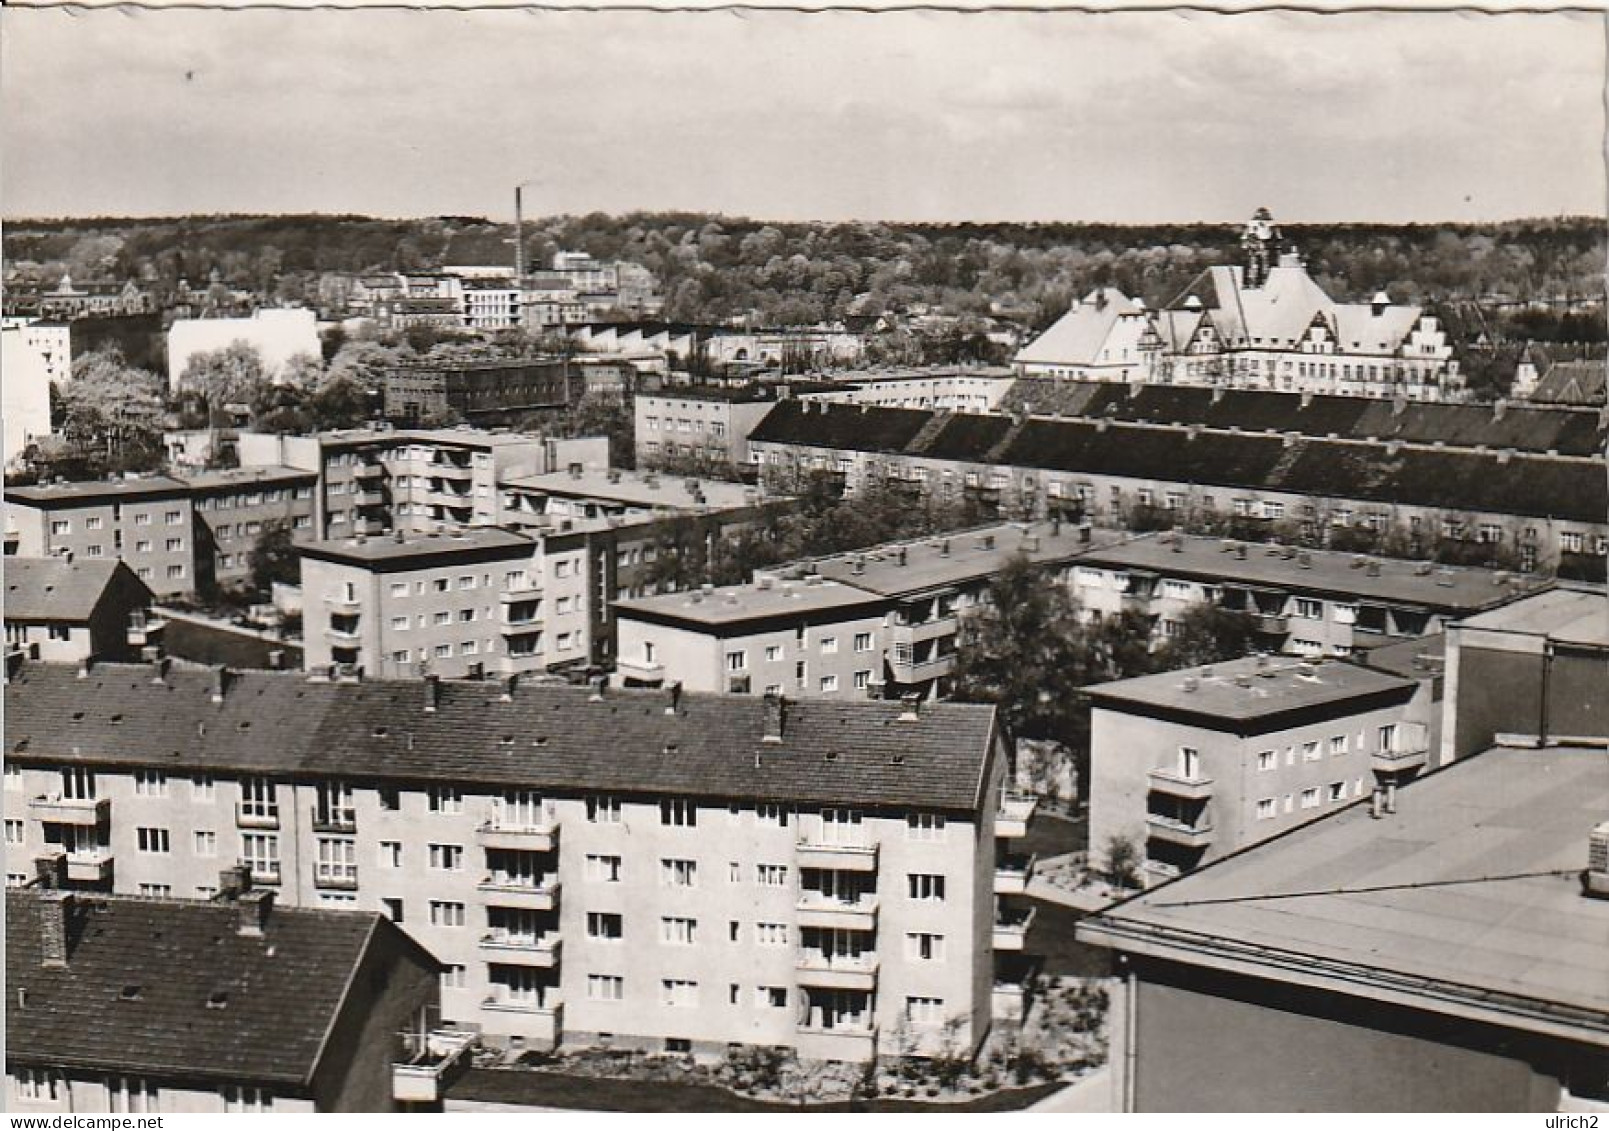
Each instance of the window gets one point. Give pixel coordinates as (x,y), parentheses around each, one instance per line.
(863,680)
(678,873)
(454,977)
(773,653)
(260,853)
(132,1095)
(152,839)
(771,934)
(336,862)
(61,526)
(829,684)
(1266,760)
(15,832)
(829,645)
(1338,791)
(247,1100)
(447,857)
(924,826)
(679,812)
(150,783)
(606,987)
(173,518)
(1386,736)
(175,572)
(1337,745)
(603,810)
(771,997)
(771,875)
(678,992)
(143,518)
(446,799)
(1310,798)
(202,788)
(924,947)
(676,931)
(605,869)
(37,1084)
(925,888)
(607,925)
(446,913)
(863,642)
(174,545)
(1308,609)
(206,842)
(390,854)
(1189,763)
(1265,809)
(924,1010)
(737,661)
(1310,752)
(771,814)
(399,588)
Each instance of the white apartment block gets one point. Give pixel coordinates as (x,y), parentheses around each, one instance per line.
(648,870)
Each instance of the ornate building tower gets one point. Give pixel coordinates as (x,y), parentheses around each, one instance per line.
(1260,241)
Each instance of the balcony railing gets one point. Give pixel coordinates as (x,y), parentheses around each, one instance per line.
(1175,784)
(1011,928)
(81,811)
(1271,624)
(842,1039)
(643,671)
(1016,810)
(523,950)
(536,894)
(343,635)
(813,851)
(342,604)
(92,867)
(1012,873)
(1400,761)
(535,836)
(817,910)
(342,878)
(368,471)
(1176,831)
(334,820)
(816,968)
(256,816)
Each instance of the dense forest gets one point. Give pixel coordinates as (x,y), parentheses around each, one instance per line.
(712,268)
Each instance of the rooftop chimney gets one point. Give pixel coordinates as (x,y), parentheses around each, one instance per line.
(221,678)
(1595,880)
(233,880)
(600,684)
(252,908)
(910,707)
(50,871)
(55,907)
(432,693)
(83,668)
(774,711)
(161,665)
(673,696)
(507,685)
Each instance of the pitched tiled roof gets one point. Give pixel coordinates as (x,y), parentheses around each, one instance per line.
(1077,337)
(1573,382)
(857,752)
(135,993)
(864,428)
(54,589)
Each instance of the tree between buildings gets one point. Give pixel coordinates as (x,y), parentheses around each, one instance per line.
(273,557)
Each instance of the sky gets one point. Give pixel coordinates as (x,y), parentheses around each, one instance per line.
(1120,117)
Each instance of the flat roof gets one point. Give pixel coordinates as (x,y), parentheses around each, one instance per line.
(88,490)
(951,559)
(1397,580)
(1569,614)
(401,546)
(1250,688)
(246,477)
(764,600)
(1413,659)
(466,437)
(666,491)
(1467,890)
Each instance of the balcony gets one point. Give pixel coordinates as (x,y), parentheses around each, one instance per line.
(351,638)
(334,820)
(341,878)
(1011,928)
(1271,624)
(337,603)
(539,951)
(80,811)
(532,895)
(451,471)
(817,910)
(369,497)
(368,527)
(1012,873)
(529,591)
(369,471)
(525,622)
(256,816)
(846,1041)
(813,852)
(1174,831)
(430,1060)
(837,972)
(539,1019)
(640,671)
(1158,871)
(93,867)
(919,632)
(1016,810)
(1175,784)
(1399,761)
(541,837)
(919,671)
(144,629)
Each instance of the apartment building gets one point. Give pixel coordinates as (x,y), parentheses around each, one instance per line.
(485,390)
(806,638)
(647,870)
(1194,765)
(590,492)
(147,521)
(371,482)
(708,423)
(1310,603)
(1436,956)
(1547,511)
(930,584)
(232,508)
(946,389)
(480,600)
(62,610)
(34,355)
(142,1005)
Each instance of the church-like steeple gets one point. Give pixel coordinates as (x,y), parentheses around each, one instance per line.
(1260,242)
